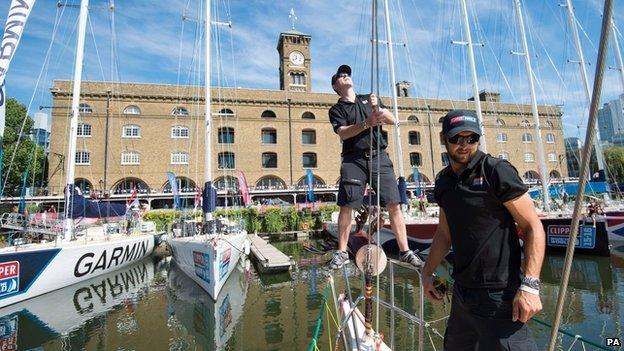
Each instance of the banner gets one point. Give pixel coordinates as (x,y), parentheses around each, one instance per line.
(242,186)
(310,181)
(173,182)
(416,176)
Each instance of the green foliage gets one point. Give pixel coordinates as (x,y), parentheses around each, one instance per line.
(273,221)
(252,220)
(326,211)
(26,155)
(614,158)
(293,221)
(162,218)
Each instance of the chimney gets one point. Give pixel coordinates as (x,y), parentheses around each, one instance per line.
(402,88)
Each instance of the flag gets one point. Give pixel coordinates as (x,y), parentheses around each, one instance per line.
(133,200)
(174,190)
(242,186)
(16,20)
(310,181)
(416,176)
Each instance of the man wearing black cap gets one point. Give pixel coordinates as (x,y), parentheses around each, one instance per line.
(481,199)
(355,119)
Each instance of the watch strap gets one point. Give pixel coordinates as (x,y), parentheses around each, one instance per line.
(529,289)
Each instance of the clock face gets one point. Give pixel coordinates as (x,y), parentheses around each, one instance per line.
(296,58)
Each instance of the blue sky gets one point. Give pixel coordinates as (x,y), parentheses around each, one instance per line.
(153,45)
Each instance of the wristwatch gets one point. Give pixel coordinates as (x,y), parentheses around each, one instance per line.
(530,285)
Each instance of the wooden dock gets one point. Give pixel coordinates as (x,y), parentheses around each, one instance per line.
(268,257)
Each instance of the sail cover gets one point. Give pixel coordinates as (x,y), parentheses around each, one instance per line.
(83,208)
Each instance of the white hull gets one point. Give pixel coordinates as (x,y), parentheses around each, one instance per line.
(358,332)
(31,270)
(209,259)
(65,310)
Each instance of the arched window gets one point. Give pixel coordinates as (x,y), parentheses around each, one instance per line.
(531,175)
(552,157)
(269,160)
(529,157)
(180,111)
(445,159)
(270,182)
(414,137)
(226,112)
(525,123)
(227,182)
(554,174)
(130,158)
(308,115)
(184,185)
(179,158)
(83,158)
(226,135)
(226,160)
(132,110)
(269,136)
(500,122)
(527,138)
(503,156)
(83,130)
(309,160)
(131,131)
(501,137)
(83,184)
(179,132)
(303,181)
(84,108)
(297,78)
(550,138)
(308,137)
(415,159)
(128,185)
(548,124)
(441,119)
(268,114)
(413,119)
(421,177)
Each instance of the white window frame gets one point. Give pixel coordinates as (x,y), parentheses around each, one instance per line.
(80,131)
(550,138)
(130,128)
(130,158)
(179,158)
(179,131)
(180,111)
(84,108)
(528,140)
(132,110)
(529,157)
(552,157)
(503,156)
(501,137)
(82,158)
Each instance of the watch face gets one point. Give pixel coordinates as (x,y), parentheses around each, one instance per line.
(296,58)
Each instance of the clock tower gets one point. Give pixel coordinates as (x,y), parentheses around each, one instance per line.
(294,54)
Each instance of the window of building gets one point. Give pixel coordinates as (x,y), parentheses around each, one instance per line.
(414,137)
(132,110)
(179,132)
(501,137)
(226,160)
(415,159)
(552,157)
(270,181)
(308,115)
(548,124)
(503,156)
(413,119)
(226,112)
(83,158)
(445,159)
(297,78)
(550,138)
(525,123)
(131,131)
(308,137)
(268,114)
(226,135)
(527,138)
(180,111)
(309,160)
(269,136)
(500,122)
(441,119)
(269,160)
(83,130)
(179,158)
(529,157)
(84,108)
(130,158)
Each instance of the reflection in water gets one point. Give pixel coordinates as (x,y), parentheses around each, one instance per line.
(211,323)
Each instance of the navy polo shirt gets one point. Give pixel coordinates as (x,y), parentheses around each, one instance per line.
(345,113)
(483,232)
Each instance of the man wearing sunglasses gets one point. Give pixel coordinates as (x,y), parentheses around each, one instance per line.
(355,118)
(481,199)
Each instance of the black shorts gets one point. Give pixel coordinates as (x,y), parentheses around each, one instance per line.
(355,173)
(481,320)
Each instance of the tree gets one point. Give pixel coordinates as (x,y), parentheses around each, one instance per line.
(21,154)
(614,158)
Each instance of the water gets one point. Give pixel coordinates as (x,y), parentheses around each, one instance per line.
(154,306)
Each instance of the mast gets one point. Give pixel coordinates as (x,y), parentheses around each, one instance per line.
(536,122)
(75,105)
(581,62)
(585,157)
(473,72)
(207,105)
(618,53)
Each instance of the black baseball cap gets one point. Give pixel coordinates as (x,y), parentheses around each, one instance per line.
(342,69)
(457,121)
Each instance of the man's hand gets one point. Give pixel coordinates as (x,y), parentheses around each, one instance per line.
(374,102)
(430,291)
(525,306)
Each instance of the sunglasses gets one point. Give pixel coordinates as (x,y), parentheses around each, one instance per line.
(458,139)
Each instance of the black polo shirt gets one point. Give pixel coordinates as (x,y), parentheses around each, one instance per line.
(345,113)
(483,232)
